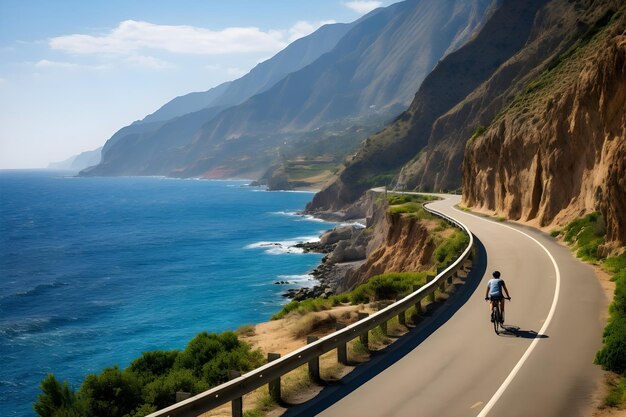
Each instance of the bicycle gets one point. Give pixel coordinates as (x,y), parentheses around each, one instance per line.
(496,316)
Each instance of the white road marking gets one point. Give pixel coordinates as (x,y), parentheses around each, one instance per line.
(535,341)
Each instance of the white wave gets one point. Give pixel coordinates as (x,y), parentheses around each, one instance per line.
(283,247)
(356,224)
(297,278)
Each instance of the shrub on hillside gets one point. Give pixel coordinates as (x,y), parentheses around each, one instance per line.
(586,234)
(56,398)
(613,355)
(112,393)
(451,248)
(151,380)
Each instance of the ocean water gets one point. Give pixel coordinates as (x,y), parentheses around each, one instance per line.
(94,271)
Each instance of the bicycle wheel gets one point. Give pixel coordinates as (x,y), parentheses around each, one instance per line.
(496,318)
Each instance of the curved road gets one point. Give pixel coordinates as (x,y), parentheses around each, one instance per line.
(462,368)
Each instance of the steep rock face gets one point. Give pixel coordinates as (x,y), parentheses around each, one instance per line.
(407,246)
(556,27)
(559,149)
(380,158)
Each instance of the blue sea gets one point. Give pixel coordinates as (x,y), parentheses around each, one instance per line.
(95,271)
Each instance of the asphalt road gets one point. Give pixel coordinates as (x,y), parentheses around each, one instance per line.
(455,365)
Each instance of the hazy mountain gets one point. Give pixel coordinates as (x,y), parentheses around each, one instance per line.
(78,162)
(373,70)
(297,55)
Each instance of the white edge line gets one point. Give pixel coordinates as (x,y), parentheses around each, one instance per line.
(535,341)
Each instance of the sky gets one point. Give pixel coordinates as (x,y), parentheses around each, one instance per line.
(72,73)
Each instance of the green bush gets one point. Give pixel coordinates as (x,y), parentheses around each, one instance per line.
(451,248)
(617,394)
(55,399)
(387,286)
(618,306)
(162,391)
(151,365)
(586,234)
(151,380)
(112,393)
(615,264)
(613,355)
(310,305)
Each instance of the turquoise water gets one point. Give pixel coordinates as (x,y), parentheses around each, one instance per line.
(94,271)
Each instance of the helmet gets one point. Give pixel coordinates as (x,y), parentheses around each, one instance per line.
(496,274)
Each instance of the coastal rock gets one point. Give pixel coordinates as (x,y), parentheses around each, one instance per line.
(407,246)
(337,234)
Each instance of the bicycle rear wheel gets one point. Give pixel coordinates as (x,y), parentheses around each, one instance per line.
(497,315)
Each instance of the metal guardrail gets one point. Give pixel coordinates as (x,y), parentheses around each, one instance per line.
(272,371)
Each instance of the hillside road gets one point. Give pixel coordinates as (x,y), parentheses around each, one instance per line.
(542,367)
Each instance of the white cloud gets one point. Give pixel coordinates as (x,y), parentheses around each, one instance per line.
(363,7)
(147,61)
(131,36)
(46,64)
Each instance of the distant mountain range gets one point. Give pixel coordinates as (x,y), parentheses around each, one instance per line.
(340,77)
(78,162)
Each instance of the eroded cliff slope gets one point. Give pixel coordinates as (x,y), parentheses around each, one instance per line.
(558,150)
(424,148)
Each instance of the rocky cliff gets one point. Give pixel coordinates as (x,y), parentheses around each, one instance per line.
(558,150)
(424,147)
(407,245)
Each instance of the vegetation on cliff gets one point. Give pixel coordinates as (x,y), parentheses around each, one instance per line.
(557,149)
(586,236)
(444,245)
(151,381)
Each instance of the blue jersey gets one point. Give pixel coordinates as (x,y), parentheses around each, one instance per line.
(495,287)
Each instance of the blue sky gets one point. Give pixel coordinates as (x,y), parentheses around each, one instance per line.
(74,72)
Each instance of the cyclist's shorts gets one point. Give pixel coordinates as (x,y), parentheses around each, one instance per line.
(496,297)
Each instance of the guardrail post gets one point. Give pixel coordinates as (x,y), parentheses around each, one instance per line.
(383,327)
(314,364)
(274,386)
(418,305)
(237,403)
(365,336)
(402,314)
(429,278)
(342,349)
(182,395)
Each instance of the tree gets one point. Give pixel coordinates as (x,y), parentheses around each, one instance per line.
(55,399)
(112,393)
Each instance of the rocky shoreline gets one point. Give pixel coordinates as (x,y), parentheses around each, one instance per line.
(345,249)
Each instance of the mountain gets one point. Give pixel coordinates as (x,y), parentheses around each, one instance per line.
(371,72)
(424,148)
(558,150)
(379,160)
(78,162)
(297,55)
(209,103)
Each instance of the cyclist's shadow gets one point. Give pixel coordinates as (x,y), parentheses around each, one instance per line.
(515,331)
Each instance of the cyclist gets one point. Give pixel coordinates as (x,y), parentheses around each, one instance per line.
(494,293)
